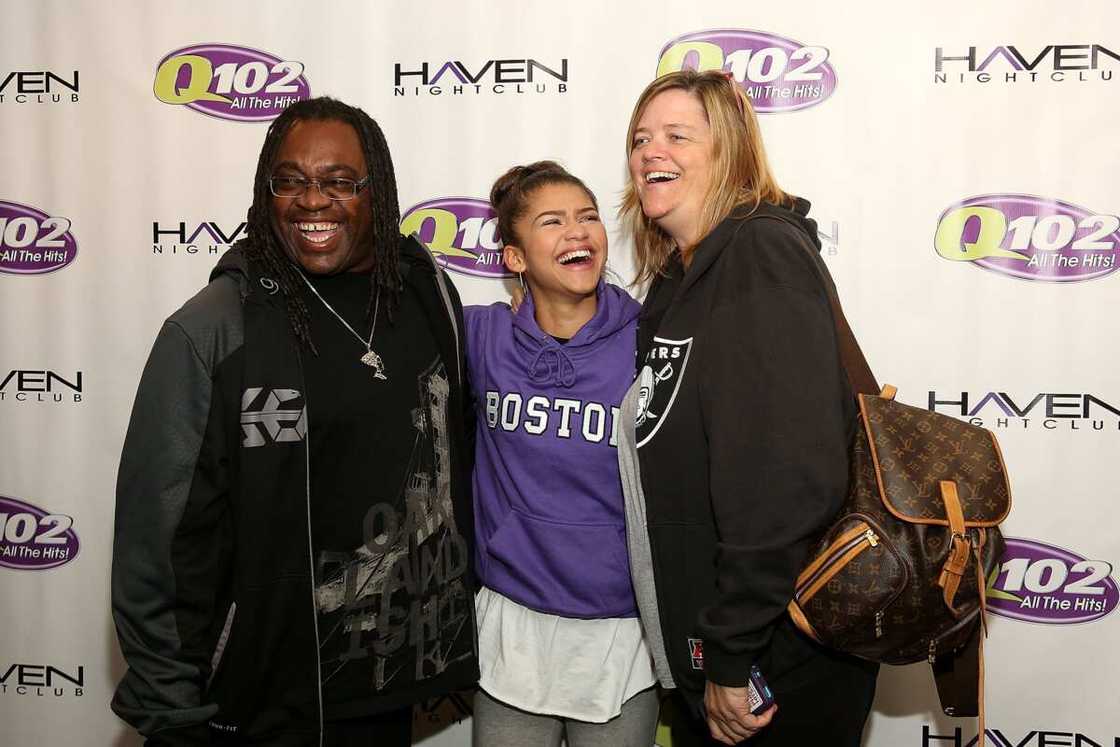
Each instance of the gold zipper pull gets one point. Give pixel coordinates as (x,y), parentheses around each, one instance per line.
(872,538)
(879,624)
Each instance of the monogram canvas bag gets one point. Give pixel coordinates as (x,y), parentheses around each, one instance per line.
(901,573)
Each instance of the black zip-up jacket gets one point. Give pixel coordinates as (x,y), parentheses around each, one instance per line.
(743,423)
(212,564)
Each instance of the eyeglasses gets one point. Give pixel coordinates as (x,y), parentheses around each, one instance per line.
(334,188)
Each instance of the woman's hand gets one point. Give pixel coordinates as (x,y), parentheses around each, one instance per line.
(729,717)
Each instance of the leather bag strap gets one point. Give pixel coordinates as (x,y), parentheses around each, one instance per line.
(983,582)
(959,675)
(860,377)
(960,546)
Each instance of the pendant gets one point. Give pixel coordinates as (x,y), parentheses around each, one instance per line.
(373,360)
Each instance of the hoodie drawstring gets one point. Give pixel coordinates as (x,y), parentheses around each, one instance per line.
(552,365)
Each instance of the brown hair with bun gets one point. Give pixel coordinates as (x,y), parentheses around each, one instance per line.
(511,192)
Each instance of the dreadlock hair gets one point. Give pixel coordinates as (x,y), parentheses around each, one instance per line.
(263,246)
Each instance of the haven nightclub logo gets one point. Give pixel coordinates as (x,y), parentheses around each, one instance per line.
(462,234)
(39,87)
(33,242)
(476,77)
(230,82)
(1051,411)
(42,680)
(1009,64)
(205,237)
(40,386)
(830,242)
(32,539)
(1030,238)
(778,74)
(1015,738)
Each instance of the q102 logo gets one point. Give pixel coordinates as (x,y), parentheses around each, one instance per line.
(228,82)
(778,74)
(33,242)
(1029,237)
(1041,583)
(32,539)
(462,234)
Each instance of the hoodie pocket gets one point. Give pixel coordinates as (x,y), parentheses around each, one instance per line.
(571,570)
(266,678)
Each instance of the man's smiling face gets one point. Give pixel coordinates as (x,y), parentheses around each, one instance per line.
(323,236)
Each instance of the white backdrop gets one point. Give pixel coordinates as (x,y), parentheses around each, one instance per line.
(1020,127)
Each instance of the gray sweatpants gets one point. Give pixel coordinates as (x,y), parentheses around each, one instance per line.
(496,724)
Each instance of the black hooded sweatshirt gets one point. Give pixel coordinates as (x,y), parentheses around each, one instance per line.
(743,420)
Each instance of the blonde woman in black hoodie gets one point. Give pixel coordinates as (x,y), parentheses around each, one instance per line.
(743,415)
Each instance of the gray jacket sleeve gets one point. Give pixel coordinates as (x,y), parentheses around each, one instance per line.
(170,489)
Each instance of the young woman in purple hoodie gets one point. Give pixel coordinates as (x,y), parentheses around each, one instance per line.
(561,648)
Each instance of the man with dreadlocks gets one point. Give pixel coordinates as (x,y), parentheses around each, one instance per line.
(293,522)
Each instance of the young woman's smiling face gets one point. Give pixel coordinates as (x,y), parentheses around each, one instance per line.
(560,243)
(671,162)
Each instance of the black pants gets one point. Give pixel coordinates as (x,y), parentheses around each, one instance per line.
(391,729)
(824,701)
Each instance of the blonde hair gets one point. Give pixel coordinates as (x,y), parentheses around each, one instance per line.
(740,172)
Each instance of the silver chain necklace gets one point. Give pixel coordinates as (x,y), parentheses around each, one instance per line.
(370,358)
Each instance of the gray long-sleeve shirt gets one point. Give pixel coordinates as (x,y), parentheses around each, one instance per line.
(637,537)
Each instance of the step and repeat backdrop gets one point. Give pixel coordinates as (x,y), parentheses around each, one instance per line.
(962,163)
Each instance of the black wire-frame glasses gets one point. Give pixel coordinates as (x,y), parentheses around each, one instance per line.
(333,188)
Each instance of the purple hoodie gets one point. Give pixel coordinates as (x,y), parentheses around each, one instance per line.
(548,499)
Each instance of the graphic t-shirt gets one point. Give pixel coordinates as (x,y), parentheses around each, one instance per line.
(388,558)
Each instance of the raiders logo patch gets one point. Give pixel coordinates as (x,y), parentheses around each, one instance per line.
(696,652)
(658,382)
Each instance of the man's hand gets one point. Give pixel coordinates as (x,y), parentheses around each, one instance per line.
(729,718)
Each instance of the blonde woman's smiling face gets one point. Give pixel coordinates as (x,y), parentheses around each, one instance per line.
(671,162)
